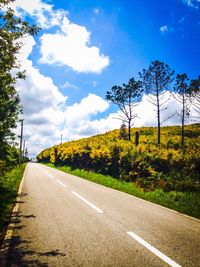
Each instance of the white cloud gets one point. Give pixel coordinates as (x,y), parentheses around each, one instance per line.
(96,11)
(89,106)
(43,104)
(44,13)
(191,3)
(70,47)
(69,85)
(164,28)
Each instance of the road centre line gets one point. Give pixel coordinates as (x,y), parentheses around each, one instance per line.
(61,183)
(159,254)
(87,202)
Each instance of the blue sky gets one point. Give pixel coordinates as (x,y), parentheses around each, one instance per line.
(129,32)
(85,47)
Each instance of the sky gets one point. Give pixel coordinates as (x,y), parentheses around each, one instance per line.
(84,48)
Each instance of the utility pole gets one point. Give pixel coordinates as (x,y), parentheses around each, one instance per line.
(61,139)
(21,138)
(26,152)
(23,149)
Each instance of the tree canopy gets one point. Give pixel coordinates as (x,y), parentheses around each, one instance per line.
(156,80)
(126,97)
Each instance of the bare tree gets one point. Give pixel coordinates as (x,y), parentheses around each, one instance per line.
(183,89)
(195,91)
(156,80)
(126,97)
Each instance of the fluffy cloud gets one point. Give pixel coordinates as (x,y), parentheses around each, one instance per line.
(44,13)
(191,3)
(42,102)
(96,11)
(79,116)
(70,47)
(164,28)
(80,122)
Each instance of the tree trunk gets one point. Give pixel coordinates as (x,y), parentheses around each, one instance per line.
(183,122)
(158,111)
(129,130)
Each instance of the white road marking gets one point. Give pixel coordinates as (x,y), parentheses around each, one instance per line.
(51,176)
(154,250)
(61,183)
(87,202)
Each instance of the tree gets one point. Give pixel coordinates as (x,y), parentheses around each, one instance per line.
(123,134)
(183,89)
(156,80)
(126,97)
(195,91)
(12,30)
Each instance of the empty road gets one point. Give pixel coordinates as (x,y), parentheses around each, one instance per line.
(64,220)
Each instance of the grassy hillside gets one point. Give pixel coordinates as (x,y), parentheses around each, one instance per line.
(170,167)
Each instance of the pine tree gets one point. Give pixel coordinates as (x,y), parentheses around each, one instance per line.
(126,97)
(156,80)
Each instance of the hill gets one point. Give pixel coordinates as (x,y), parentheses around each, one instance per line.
(169,166)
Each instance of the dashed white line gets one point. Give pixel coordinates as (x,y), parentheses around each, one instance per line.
(159,254)
(87,202)
(61,183)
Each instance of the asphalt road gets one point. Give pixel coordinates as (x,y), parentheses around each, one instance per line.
(64,220)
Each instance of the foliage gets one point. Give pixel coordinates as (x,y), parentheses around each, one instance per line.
(183,89)
(195,91)
(126,97)
(156,80)
(123,132)
(169,167)
(185,202)
(9,184)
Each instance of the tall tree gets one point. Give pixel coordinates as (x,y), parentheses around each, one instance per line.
(156,80)
(126,97)
(195,90)
(12,30)
(182,87)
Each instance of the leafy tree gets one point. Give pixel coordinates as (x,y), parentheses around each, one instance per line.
(123,133)
(156,80)
(195,90)
(183,89)
(126,97)
(12,30)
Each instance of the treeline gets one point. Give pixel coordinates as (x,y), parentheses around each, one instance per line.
(12,30)
(168,166)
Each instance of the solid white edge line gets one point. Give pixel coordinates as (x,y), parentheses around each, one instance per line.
(61,183)
(87,202)
(154,250)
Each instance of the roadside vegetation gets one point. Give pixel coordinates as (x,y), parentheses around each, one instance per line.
(184,202)
(9,185)
(168,174)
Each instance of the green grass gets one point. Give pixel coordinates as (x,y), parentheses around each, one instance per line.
(9,185)
(184,202)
